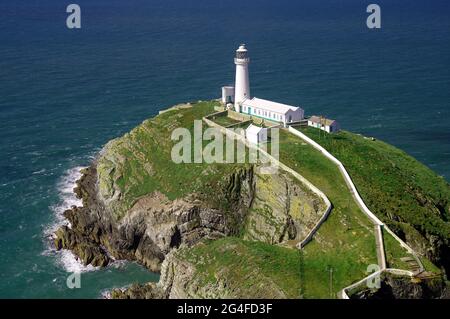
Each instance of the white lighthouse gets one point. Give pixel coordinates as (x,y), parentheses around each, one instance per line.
(242,85)
(254,107)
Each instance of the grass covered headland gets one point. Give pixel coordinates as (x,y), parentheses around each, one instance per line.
(405,194)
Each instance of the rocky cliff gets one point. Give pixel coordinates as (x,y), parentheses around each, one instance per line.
(225,230)
(401,287)
(224,268)
(138,205)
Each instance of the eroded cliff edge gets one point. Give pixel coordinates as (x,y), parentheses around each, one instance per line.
(138,205)
(213,230)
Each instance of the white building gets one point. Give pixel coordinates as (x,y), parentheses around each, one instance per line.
(273,111)
(243,103)
(327,125)
(255,134)
(227,94)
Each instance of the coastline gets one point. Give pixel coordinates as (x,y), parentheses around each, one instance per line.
(97,238)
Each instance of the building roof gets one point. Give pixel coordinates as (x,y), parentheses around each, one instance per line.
(321,120)
(253,129)
(269,105)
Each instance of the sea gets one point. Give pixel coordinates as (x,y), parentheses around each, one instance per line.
(65,92)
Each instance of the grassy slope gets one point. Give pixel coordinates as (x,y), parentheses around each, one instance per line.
(224,120)
(396,187)
(345,243)
(148,166)
(248,266)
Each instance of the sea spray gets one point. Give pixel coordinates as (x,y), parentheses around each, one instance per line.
(67,199)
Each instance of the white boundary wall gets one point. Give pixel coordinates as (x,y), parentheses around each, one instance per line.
(277,163)
(378,223)
(400,272)
(360,202)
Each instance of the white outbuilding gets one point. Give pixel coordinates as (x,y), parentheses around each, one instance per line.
(227,94)
(327,125)
(256,134)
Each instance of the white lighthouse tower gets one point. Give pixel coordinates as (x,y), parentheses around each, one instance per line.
(242,85)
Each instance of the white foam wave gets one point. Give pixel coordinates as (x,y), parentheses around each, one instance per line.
(67,199)
(39,172)
(71,263)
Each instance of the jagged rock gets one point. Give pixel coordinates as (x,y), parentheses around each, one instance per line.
(400,287)
(282,210)
(153,225)
(180,279)
(147,227)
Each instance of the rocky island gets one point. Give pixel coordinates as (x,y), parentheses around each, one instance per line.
(228,231)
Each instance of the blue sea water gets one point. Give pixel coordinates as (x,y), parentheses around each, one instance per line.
(65,93)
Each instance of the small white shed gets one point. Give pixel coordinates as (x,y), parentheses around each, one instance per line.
(227,94)
(327,125)
(256,134)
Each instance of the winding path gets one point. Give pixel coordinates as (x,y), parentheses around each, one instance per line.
(379,226)
(277,164)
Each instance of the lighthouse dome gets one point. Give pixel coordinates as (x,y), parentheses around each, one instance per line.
(242,48)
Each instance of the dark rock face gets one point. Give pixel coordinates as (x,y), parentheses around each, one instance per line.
(91,234)
(151,229)
(434,248)
(397,287)
(139,291)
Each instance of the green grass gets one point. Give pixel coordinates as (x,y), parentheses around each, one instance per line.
(405,194)
(345,242)
(251,268)
(224,120)
(394,252)
(394,185)
(139,163)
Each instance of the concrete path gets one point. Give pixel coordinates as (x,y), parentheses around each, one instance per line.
(379,226)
